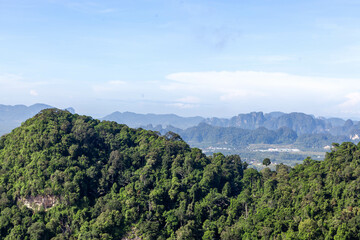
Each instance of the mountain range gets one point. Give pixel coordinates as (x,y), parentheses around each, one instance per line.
(301,123)
(136,120)
(298,129)
(302,130)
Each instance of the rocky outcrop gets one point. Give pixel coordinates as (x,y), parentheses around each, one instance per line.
(40,202)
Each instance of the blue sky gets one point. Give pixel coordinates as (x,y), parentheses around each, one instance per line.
(208,58)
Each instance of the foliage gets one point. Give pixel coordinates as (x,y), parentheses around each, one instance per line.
(266,161)
(112,181)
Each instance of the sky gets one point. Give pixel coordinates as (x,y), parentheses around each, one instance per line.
(192,58)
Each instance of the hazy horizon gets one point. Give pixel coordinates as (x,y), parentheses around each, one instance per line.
(170,113)
(191,58)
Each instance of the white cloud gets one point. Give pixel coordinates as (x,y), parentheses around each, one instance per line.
(246,84)
(199,93)
(33,93)
(351,104)
(235,94)
(249,91)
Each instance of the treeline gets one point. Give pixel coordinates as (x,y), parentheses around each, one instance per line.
(112,182)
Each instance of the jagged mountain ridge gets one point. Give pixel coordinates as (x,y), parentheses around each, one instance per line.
(12,116)
(301,123)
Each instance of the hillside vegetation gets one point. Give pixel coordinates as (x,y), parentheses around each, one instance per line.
(65,176)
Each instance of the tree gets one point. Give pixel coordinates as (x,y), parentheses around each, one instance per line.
(308,229)
(37,230)
(266,162)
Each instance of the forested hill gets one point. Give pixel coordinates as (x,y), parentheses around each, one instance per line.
(65,176)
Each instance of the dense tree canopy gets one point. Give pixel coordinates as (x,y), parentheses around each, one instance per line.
(102,180)
(266,161)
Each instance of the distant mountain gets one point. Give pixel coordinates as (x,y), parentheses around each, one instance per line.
(273,115)
(237,137)
(301,123)
(12,116)
(138,120)
(18,112)
(70,110)
(335,122)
